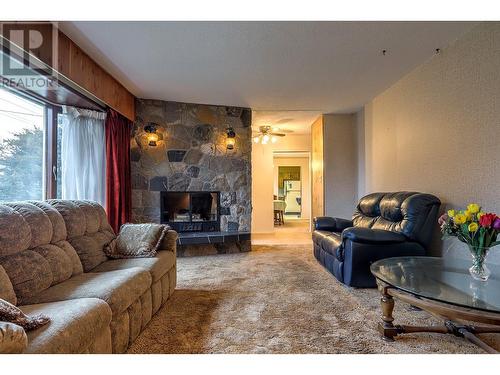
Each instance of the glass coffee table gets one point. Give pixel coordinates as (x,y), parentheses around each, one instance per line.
(444,288)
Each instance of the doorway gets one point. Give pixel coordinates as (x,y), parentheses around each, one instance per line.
(291,186)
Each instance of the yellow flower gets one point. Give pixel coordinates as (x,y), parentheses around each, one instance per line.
(459,219)
(473,227)
(468,215)
(479,214)
(473,208)
(451,213)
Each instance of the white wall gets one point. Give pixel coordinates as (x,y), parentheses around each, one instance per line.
(303,163)
(360,154)
(437,130)
(339,168)
(262,178)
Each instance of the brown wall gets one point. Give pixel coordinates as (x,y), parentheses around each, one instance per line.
(82,70)
(318,188)
(340,170)
(77,67)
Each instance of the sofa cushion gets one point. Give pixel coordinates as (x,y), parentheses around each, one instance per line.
(72,255)
(118,288)
(90,250)
(15,232)
(29,273)
(75,324)
(39,223)
(136,241)
(104,223)
(157,266)
(58,225)
(92,218)
(6,289)
(73,216)
(60,263)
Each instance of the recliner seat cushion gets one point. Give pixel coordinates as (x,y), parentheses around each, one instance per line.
(157,266)
(331,243)
(119,289)
(74,325)
(320,235)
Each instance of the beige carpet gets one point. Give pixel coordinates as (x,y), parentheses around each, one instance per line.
(277,299)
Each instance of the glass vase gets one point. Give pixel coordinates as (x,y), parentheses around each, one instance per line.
(479,271)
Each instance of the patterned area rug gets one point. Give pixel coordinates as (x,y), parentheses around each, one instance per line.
(278,299)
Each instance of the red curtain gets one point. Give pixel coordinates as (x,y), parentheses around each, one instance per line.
(118,181)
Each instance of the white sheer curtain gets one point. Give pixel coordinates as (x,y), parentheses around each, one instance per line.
(83,155)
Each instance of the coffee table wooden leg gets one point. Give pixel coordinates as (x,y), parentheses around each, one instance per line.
(386,328)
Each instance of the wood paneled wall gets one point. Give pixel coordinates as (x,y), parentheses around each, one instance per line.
(77,66)
(318,188)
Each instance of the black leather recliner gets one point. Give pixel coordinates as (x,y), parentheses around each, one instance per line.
(383,225)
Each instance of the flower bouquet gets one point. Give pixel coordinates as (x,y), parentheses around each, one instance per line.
(477,229)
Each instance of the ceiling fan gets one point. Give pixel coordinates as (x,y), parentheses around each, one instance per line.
(268,133)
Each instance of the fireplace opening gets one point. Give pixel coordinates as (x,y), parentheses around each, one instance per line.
(191,211)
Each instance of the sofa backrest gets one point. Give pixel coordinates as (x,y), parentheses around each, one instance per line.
(34,253)
(410,213)
(88,229)
(43,243)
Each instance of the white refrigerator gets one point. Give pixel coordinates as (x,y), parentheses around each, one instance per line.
(292,191)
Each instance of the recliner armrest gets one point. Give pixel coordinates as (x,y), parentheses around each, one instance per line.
(331,224)
(169,242)
(13,339)
(372,236)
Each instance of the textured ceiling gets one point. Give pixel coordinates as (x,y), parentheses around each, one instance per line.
(319,66)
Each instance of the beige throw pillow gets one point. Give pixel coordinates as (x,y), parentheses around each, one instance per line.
(12,314)
(136,241)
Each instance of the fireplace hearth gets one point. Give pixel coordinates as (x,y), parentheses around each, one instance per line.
(191,211)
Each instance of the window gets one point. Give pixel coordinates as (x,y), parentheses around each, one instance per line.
(30,147)
(22,148)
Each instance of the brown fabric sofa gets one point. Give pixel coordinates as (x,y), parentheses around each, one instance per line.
(52,262)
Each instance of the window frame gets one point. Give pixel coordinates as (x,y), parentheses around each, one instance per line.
(50,150)
(50,113)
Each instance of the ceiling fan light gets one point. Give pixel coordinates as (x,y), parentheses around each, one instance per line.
(274,139)
(265,138)
(256,139)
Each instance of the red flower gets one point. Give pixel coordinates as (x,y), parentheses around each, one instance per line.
(487,220)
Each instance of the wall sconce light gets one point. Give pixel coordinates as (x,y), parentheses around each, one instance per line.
(152,136)
(231,138)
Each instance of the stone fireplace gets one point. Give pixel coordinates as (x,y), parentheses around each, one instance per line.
(191,156)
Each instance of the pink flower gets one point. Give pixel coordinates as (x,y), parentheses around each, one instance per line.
(442,219)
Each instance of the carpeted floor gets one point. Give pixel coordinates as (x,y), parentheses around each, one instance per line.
(277,299)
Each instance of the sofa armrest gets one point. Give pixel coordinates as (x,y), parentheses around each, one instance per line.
(169,242)
(331,224)
(372,236)
(13,339)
